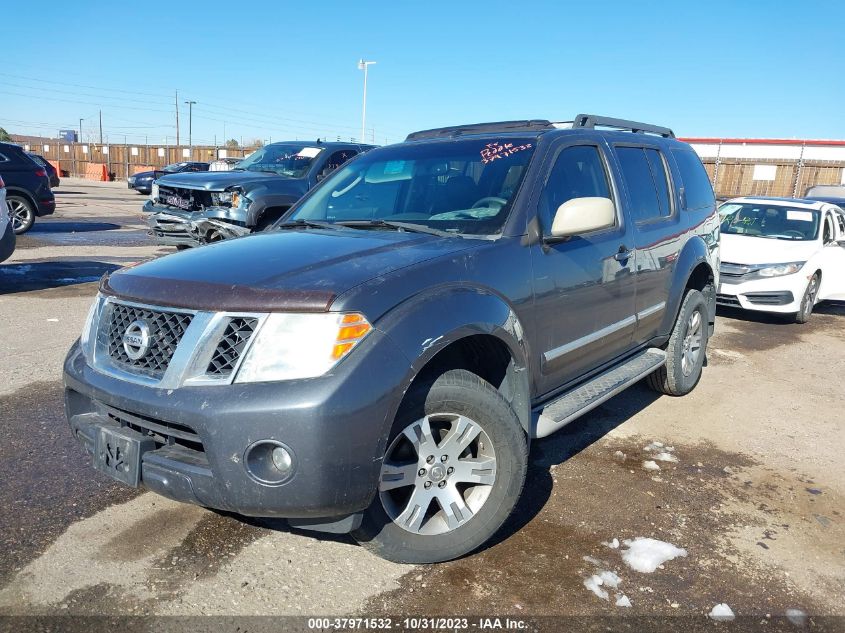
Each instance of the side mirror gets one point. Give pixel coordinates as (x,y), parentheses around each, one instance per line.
(583,215)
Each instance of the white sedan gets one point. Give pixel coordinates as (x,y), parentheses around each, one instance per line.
(781,255)
(7,233)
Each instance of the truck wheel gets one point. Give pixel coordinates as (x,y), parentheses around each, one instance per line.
(808,300)
(686,349)
(21,213)
(453,471)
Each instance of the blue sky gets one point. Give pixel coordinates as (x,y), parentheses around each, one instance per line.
(289,69)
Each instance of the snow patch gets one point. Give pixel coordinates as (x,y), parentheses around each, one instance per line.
(650,464)
(593,583)
(721,612)
(796,616)
(622,600)
(654,446)
(665,456)
(609,579)
(614,544)
(647,554)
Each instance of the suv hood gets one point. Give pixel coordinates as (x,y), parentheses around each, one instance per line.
(216,180)
(743,249)
(298,270)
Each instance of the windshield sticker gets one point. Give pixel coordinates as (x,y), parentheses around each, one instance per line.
(492,151)
(393,167)
(309,152)
(804,216)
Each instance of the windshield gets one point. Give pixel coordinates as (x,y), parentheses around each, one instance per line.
(463,187)
(776,222)
(171,169)
(288,159)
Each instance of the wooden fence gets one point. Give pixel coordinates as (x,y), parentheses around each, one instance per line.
(121,160)
(735,177)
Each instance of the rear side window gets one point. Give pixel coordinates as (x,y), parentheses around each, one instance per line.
(645,176)
(578,173)
(3,159)
(697,190)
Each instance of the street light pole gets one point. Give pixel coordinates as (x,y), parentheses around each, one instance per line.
(80,129)
(190,123)
(363,65)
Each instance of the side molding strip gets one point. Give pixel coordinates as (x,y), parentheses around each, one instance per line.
(557,352)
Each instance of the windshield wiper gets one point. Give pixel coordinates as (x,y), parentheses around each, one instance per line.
(401,226)
(307,224)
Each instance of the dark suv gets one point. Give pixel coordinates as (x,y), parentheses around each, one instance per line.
(380,361)
(28,191)
(193,209)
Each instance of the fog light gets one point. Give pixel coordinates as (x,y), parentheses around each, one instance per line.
(282,460)
(269,462)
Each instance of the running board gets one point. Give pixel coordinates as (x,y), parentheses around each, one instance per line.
(586,397)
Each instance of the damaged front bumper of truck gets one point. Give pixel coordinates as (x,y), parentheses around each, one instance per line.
(175,227)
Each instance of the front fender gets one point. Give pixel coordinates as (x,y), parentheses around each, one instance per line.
(427,323)
(263,197)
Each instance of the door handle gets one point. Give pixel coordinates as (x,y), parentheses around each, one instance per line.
(623,255)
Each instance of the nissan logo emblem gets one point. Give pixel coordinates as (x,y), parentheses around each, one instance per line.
(136,340)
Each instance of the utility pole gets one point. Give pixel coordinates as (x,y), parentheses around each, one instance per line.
(363,65)
(101,127)
(177,118)
(190,117)
(80,129)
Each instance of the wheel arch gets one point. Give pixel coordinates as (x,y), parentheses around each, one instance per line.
(694,270)
(463,328)
(23,193)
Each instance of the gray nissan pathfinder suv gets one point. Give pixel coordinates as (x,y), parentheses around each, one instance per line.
(380,361)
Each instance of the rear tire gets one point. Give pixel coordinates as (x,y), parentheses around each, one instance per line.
(443,514)
(808,300)
(21,213)
(686,349)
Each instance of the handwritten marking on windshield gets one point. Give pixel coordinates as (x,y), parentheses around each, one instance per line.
(492,151)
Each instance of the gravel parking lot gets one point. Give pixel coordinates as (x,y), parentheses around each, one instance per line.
(746,475)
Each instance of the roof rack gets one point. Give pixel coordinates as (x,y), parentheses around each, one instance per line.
(593,120)
(480,128)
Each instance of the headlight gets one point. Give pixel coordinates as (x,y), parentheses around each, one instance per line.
(290,346)
(89,334)
(778,270)
(228,199)
(154,191)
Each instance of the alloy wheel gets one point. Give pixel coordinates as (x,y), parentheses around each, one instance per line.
(437,474)
(692,343)
(19,213)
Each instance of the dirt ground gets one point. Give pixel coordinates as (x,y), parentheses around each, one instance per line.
(751,485)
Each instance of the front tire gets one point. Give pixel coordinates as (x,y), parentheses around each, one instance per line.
(21,213)
(686,349)
(453,472)
(808,300)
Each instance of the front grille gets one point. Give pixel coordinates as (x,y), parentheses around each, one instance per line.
(185,199)
(231,346)
(731,273)
(166,330)
(728,300)
(162,432)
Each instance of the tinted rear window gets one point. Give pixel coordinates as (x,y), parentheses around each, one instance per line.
(696,183)
(645,177)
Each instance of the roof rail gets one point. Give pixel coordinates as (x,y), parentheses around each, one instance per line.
(480,128)
(593,120)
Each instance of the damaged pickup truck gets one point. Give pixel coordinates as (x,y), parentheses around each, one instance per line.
(192,209)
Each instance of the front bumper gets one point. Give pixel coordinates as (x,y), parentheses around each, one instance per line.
(336,427)
(172,227)
(7,242)
(776,294)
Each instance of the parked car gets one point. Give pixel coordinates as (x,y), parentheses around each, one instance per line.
(835,194)
(223,164)
(7,233)
(781,255)
(142,181)
(380,361)
(194,209)
(28,191)
(52,173)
